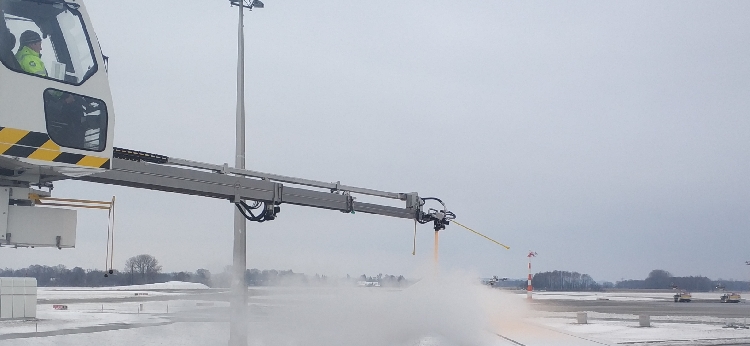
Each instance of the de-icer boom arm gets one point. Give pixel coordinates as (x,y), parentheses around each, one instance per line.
(264,191)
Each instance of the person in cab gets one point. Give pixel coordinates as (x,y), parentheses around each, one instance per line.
(29,54)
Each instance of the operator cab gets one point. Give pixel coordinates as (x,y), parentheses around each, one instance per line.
(55,101)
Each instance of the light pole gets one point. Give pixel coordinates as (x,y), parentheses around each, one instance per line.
(238,318)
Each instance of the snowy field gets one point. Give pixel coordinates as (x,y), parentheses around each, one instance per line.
(430,313)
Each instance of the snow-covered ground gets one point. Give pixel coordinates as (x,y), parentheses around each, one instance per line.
(172,288)
(425,315)
(93,311)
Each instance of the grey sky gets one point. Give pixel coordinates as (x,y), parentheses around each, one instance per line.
(610,137)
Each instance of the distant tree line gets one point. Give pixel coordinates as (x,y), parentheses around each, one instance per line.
(61,276)
(385,280)
(662,279)
(564,281)
(145,269)
(256,277)
(141,269)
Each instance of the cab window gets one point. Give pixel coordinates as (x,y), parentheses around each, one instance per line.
(46,38)
(75,121)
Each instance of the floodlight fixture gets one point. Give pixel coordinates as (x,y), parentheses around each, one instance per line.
(247,4)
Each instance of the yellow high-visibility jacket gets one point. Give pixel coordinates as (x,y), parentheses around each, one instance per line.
(31,61)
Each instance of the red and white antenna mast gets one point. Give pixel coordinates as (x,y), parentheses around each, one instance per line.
(528,287)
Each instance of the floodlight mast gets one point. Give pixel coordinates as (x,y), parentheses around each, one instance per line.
(238,302)
(238,322)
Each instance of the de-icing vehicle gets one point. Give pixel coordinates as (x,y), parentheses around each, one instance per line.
(731,297)
(57,122)
(682,297)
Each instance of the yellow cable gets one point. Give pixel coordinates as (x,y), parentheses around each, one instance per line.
(86,201)
(109,236)
(87,204)
(69,202)
(112,232)
(482,235)
(74,205)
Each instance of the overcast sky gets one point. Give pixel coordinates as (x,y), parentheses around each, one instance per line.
(611,137)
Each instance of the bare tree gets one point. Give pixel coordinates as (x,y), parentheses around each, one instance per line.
(203,276)
(659,278)
(145,265)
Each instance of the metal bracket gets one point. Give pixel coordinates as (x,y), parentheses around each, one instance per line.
(236,193)
(414,203)
(349,203)
(336,187)
(278,193)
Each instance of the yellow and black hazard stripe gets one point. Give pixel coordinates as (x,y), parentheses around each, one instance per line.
(38,146)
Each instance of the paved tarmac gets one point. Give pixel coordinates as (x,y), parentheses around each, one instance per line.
(653,308)
(695,308)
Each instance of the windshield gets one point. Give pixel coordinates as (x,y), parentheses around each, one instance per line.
(47,39)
